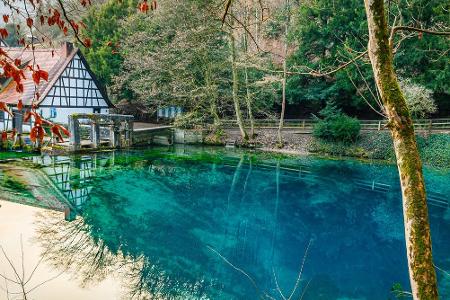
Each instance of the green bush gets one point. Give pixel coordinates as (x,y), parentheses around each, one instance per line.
(335,126)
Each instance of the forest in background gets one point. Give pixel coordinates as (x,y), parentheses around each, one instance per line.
(180,54)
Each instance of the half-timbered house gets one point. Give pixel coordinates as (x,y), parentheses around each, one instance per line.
(71,87)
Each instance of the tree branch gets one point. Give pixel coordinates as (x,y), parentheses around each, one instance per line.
(227,8)
(75,31)
(410,28)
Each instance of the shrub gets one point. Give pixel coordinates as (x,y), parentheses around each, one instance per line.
(335,126)
(418,99)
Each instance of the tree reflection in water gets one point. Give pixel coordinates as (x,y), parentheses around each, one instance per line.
(68,246)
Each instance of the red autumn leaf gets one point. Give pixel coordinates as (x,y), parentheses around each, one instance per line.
(38,75)
(20,105)
(17,62)
(43,74)
(64,130)
(3,53)
(3,33)
(74,25)
(5,108)
(57,129)
(4,136)
(19,87)
(41,133)
(29,22)
(57,133)
(37,133)
(5,18)
(33,134)
(143,6)
(37,118)
(65,30)
(42,19)
(87,42)
(27,116)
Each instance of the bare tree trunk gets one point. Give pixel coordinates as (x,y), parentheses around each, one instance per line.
(237,106)
(248,96)
(283,100)
(417,228)
(212,94)
(248,99)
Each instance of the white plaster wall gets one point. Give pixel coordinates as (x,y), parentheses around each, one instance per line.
(62,113)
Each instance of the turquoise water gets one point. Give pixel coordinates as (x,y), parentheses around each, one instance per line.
(194,223)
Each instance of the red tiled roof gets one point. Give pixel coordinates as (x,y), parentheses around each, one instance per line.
(53,64)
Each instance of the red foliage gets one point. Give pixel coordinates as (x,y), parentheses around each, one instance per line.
(4,136)
(5,108)
(143,6)
(38,75)
(5,18)
(20,105)
(37,133)
(29,22)
(3,33)
(85,2)
(87,42)
(57,130)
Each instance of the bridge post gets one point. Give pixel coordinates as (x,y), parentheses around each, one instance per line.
(95,134)
(129,132)
(114,135)
(74,128)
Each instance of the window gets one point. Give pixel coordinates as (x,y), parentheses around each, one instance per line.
(52,112)
(96,110)
(2,116)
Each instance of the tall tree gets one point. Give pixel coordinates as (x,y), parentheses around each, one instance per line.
(415,212)
(237,104)
(284,79)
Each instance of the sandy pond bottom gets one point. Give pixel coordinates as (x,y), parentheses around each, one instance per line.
(194,223)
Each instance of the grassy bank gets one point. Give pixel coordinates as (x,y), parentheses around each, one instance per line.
(434,149)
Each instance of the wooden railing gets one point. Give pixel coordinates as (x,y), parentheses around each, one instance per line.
(307,124)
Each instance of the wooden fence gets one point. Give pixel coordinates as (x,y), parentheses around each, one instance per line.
(307,124)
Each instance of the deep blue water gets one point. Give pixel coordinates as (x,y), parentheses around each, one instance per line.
(219,224)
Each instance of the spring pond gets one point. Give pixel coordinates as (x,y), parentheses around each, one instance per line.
(210,223)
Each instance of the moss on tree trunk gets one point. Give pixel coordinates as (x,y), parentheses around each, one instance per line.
(237,104)
(415,211)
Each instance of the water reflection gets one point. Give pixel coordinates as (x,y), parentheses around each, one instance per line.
(185,223)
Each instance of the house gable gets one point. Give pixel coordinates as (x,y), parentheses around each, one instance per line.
(76,86)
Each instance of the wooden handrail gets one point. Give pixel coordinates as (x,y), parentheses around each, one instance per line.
(430,124)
